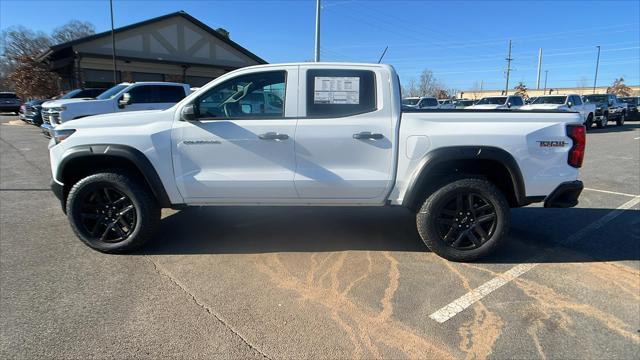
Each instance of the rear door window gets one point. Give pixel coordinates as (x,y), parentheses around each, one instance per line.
(168,94)
(339,93)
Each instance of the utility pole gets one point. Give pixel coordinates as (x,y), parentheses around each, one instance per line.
(506,91)
(317,54)
(113,45)
(546,73)
(539,68)
(595,79)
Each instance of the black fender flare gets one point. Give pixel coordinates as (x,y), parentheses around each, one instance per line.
(125,152)
(452,153)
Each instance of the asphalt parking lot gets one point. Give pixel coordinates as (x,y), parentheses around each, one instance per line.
(322,282)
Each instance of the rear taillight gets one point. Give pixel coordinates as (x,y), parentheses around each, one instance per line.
(577,133)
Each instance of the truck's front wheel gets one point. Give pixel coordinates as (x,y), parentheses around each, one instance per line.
(464,219)
(112,212)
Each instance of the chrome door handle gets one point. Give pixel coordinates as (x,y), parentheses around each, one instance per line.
(273,136)
(367,135)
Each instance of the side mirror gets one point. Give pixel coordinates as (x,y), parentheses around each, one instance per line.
(188,113)
(124,100)
(508,104)
(569,104)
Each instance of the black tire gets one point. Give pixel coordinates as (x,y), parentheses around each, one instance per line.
(117,225)
(605,120)
(589,122)
(620,120)
(438,222)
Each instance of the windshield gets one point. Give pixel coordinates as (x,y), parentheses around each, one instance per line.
(630,101)
(558,100)
(410,101)
(70,94)
(8,96)
(595,98)
(466,102)
(111,92)
(492,100)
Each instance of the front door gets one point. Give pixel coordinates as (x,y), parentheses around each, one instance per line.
(344,150)
(241,148)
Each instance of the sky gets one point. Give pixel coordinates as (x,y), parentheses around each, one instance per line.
(464,43)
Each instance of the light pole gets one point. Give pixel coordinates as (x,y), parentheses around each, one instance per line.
(595,79)
(546,73)
(317,53)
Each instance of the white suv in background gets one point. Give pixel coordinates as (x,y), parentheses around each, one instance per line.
(423,102)
(122,97)
(498,102)
(568,102)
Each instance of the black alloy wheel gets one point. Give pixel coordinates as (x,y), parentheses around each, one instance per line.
(466,221)
(107,215)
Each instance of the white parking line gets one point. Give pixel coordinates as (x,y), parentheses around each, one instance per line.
(611,192)
(460,304)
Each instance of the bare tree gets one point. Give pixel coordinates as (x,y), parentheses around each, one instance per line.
(411,89)
(619,88)
(427,83)
(20,48)
(72,30)
(521,89)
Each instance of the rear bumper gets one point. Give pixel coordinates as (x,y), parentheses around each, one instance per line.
(565,195)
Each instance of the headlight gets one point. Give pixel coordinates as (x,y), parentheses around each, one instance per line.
(58,109)
(59,135)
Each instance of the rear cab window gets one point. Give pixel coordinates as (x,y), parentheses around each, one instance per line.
(335,93)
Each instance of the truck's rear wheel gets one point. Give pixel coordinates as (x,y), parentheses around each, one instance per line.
(112,212)
(620,120)
(464,220)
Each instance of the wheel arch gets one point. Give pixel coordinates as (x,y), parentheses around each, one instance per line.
(84,160)
(440,165)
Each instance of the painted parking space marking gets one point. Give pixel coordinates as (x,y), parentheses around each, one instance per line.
(460,304)
(611,192)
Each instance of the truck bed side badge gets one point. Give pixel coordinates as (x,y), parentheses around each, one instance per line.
(552,143)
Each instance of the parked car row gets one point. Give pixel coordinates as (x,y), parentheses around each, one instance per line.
(596,109)
(31,111)
(122,97)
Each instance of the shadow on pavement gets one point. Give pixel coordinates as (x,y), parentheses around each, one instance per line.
(251,230)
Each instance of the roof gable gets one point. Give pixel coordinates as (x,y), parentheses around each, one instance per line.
(177,37)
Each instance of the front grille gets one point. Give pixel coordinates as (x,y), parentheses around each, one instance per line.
(51,117)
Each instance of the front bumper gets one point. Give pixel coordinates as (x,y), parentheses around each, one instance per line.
(46,130)
(565,195)
(58,191)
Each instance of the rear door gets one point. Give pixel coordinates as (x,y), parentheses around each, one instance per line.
(344,139)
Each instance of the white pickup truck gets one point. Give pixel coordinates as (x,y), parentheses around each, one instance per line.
(497,102)
(569,102)
(315,134)
(122,97)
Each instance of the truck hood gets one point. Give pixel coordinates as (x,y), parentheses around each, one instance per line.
(544,107)
(114,119)
(61,102)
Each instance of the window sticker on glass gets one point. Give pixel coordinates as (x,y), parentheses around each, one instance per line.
(336,90)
